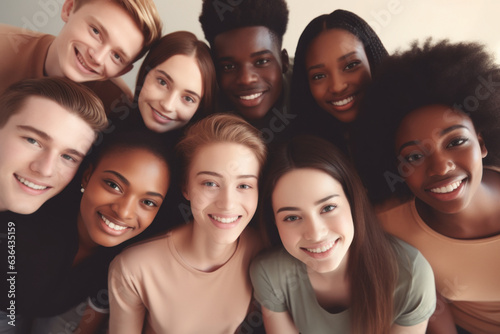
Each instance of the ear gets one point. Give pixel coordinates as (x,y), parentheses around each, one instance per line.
(66,9)
(127,69)
(285,61)
(86,175)
(185,193)
(484,151)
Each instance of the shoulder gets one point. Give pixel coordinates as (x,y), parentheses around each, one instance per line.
(144,252)
(274,263)
(415,294)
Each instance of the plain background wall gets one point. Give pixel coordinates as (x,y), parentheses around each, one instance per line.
(397,22)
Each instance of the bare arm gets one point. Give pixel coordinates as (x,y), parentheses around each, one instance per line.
(442,320)
(278,322)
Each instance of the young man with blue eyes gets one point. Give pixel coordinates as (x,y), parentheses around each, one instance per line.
(47,125)
(252,68)
(100,40)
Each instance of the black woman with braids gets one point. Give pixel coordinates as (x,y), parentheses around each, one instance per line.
(334,61)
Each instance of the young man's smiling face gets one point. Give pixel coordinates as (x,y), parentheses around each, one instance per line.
(99,40)
(41,147)
(250,68)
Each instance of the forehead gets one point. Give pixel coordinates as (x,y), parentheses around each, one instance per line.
(243,42)
(305,185)
(429,120)
(334,42)
(225,158)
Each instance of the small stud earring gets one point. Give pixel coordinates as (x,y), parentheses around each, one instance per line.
(82,189)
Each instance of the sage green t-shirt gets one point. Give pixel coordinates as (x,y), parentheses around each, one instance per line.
(281,284)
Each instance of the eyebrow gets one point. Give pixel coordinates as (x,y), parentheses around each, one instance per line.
(441,133)
(293,208)
(46,137)
(243,176)
(343,57)
(124,180)
(169,78)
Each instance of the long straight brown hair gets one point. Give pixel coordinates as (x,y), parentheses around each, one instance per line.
(372,266)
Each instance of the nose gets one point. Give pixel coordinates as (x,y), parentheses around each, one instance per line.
(45,164)
(168,102)
(225,199)
(124,207)
(439,164)
(337,83)
(97,54)
(247,75)
(314,229)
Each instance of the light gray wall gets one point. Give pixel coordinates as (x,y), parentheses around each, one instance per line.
(398,22)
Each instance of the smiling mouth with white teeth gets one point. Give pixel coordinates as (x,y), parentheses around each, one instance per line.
(448,189)
(112,225)
(82,61)
(251,97)
(321,249)
(343,102)
(30,184)
(225,220)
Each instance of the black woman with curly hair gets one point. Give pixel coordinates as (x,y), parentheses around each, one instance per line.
(438,106)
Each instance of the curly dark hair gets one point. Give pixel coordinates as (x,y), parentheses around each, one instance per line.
(219,16)
(462,76)
(302,99)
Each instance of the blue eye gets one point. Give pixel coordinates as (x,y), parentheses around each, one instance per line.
(68,157)
(291,218)
(328,208)
(210,184)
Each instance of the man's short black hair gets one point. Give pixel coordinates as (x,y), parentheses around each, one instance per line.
(218,16)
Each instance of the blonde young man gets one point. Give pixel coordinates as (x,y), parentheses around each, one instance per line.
(100,40)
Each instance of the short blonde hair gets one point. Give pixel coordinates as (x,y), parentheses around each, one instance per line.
(145,15)
(219,128)
(74,97)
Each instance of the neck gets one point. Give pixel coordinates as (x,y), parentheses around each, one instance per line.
(200,251)
(51,66)
(86,246)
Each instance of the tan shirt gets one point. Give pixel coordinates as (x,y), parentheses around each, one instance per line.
(152,287)
(467,272)
(23,54)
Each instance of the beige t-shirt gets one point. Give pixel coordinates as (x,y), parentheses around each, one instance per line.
(467,272)
(152,287)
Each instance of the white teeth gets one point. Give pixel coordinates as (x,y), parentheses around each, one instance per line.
(225,220)
(160,114)
(250,97)
(448,189)
(30,184)
(343,102)
(321,249)
(80,59)
(113,225)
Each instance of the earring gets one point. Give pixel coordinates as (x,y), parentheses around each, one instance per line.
(82,189)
